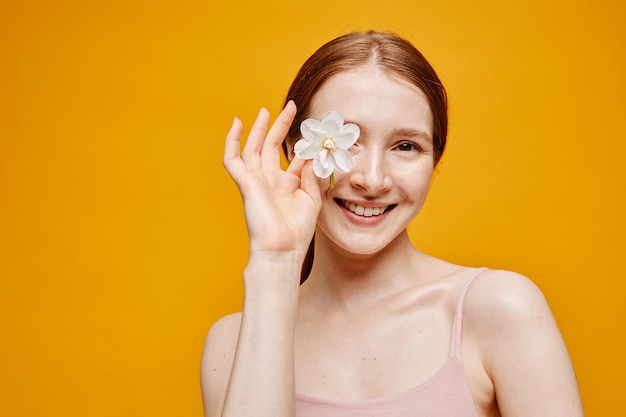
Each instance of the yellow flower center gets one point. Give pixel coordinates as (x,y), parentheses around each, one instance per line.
(329,143)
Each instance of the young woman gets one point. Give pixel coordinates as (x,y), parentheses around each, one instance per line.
(377,328)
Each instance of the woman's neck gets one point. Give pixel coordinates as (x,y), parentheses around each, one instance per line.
(347,279)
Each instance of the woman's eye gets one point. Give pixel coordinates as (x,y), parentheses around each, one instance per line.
(407,146)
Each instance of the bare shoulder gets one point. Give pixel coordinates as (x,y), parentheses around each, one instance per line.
(224,329)
(217,361)
(502,308)
(509,328)
(504,296)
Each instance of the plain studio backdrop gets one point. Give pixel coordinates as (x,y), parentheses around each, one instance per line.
(122,238)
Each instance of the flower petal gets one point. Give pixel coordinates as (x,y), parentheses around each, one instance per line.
(333,115)
(308,125)
(322,156)
(317,136)
(330,127)
(305,149)
(342,159)
(352,129)
(320,170)
(344,140)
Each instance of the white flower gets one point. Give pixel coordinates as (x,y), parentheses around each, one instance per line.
(327,141)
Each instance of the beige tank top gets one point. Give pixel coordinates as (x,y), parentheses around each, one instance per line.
(444,394)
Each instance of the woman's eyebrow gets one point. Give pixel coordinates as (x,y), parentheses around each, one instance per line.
(409,132)
(404,132)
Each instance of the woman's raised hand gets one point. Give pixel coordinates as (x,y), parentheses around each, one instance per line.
(281,207)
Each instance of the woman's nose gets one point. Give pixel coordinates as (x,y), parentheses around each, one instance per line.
(370,172)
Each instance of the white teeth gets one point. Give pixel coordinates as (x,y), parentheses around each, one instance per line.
(364,211)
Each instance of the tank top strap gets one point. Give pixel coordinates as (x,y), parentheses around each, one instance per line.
(457,325)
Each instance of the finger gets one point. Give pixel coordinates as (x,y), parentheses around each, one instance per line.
(295,166)
(252,149)
(310,184)
(270,153)
(232,161)
(304,170)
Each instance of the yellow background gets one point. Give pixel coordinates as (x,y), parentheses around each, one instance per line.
(122,238)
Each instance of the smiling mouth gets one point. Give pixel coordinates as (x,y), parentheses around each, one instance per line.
(364,211)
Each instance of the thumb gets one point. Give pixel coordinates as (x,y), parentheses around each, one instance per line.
(310,184)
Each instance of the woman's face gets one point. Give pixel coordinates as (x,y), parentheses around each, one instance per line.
(372,204)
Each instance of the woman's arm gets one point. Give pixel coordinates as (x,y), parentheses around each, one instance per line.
(248,364)
(521,347)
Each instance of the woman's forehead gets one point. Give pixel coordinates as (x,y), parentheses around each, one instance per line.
(369,97)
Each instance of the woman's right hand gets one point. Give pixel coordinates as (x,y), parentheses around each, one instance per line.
(281,207)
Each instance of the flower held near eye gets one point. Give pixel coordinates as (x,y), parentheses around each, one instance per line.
(327,141)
